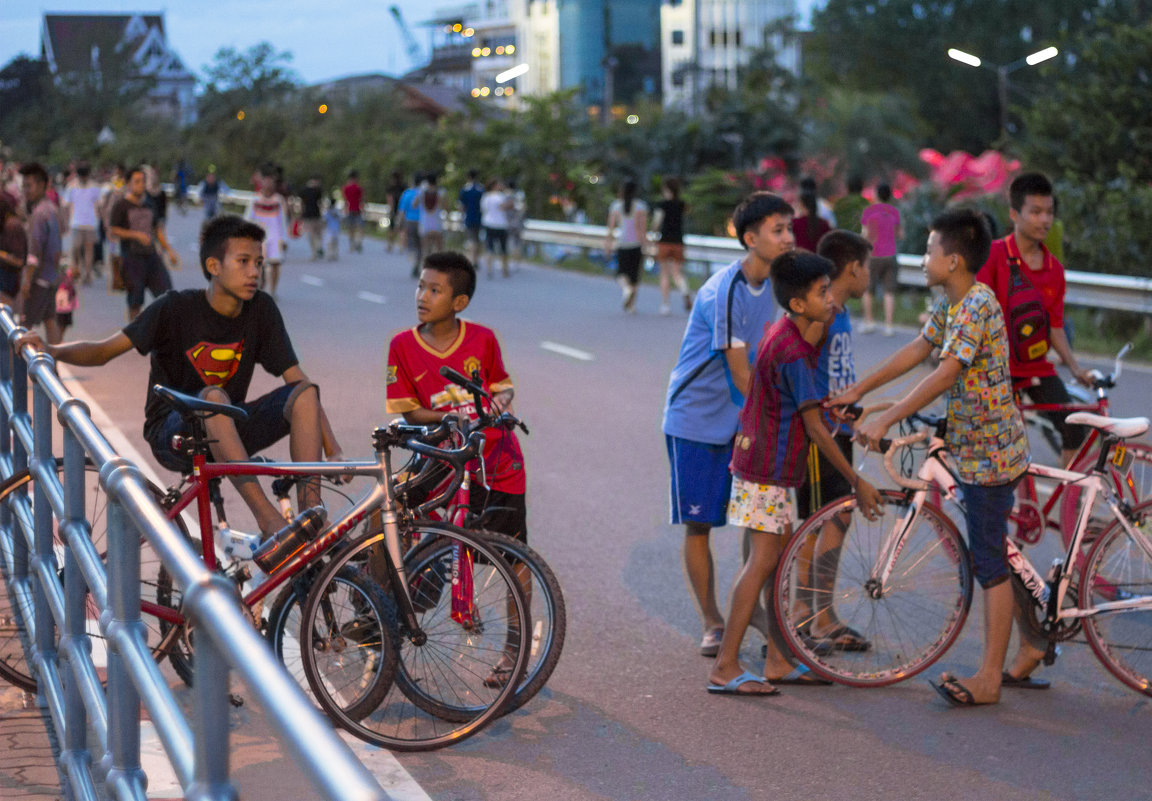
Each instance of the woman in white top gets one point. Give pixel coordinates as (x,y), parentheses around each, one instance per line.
(431,225)
(494,207)
(631,215)
(82,198)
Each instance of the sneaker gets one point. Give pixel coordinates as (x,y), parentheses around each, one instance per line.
(665,309)
(630,299)
(867,328)
(888,331)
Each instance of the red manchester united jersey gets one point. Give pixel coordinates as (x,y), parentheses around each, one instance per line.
(414,382)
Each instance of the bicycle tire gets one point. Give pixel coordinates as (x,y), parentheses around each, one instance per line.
(910,627)
(1119,568)
(156,584)
(546,605)
(446,673)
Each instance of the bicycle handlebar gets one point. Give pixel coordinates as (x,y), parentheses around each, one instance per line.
(889,448)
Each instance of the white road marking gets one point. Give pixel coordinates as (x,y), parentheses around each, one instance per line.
(371,297)
(312,280)
(564,350)
(162,781)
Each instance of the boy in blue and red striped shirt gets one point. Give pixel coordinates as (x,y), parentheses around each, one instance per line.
(781,413)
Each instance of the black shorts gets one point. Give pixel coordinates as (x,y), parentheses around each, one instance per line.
(511,511)
(1050,389)
(883,272)
(497,240)
(266,425)
(832,483)
(40,304)
(142,273)
(628,261)
(9,281)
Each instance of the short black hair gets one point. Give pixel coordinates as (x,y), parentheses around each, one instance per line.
(267,170)
(756,208)
(855,184)
(883,193)
(842,248)
(215,233)
(461,272)
(1025,184)
(794,272)
(964,232)
(35,169)
(128,173)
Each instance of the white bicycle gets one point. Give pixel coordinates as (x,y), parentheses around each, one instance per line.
(903,583)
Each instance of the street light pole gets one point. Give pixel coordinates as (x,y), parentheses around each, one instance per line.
(1002,75)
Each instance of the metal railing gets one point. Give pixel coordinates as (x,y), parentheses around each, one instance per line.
(1092,290)
(54,617)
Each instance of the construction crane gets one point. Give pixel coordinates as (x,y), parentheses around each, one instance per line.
(410,45)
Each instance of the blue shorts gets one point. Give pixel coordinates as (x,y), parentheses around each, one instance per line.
(986,511)
(701,482)
(267,424)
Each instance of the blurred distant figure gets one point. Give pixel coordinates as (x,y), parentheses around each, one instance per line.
(269,210)
(668,222)
(469,200)
(631,215)
(810,226)
(494,207)
(134,223)
(81,200)
(181,185)
(431,221)
(849,208)
(37,299)
(332,230)
(881,227)
(395,190)
(824,208)
(211,188)
(13,250)
(311,196)
(353,211)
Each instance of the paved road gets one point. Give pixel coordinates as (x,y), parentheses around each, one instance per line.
(626,715)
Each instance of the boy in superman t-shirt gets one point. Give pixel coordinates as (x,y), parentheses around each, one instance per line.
(416,389)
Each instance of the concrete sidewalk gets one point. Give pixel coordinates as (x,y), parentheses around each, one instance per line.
(27,757)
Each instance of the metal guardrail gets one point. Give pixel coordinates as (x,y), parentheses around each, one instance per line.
(1091,290)
(54,617)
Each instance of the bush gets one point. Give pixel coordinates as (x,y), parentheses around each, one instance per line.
(1107,227)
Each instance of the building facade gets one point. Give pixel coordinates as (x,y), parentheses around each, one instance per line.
(704,43)
(91,47)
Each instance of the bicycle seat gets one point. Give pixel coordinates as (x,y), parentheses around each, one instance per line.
(1122,427)
(189,405)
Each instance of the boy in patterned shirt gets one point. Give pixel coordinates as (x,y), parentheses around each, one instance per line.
(781,413)
(985,432)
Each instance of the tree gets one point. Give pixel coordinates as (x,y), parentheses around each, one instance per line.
(239,81)
(869,134)
(900,46)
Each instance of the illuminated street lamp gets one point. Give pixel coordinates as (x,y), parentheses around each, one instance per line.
(1002,75)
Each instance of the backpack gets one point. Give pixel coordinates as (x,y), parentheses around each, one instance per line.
(1024,314)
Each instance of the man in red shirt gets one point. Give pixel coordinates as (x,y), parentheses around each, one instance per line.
(353,211)
(1032,209)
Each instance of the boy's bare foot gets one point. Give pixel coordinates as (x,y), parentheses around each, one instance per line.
(972,691)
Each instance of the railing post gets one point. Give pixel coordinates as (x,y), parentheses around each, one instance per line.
(75,612)
(45,640)
(19,577)
(123,758)
(210,722)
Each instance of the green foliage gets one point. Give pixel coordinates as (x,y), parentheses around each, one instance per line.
(712,197)
(1092,122)
(1108,226)
(874,134)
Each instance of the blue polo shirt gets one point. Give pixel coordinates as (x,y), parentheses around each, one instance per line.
(702,403)
(470,200)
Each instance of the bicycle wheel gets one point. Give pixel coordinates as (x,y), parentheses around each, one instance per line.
(822,585)
(545,603)
(155,584)
(1120,569)
(443,691)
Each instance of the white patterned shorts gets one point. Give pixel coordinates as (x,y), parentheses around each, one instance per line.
(761,507)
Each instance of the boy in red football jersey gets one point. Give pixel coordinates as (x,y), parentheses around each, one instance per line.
(416,389)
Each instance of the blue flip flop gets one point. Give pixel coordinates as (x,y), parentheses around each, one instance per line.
(800,676)
(733,687)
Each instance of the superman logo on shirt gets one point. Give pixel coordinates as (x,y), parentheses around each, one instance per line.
(215,362)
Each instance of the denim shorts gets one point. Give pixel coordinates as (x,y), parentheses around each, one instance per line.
(265,425)
(986,511)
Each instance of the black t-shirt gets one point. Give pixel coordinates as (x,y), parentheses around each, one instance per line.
(193,346)
(672,227)
(310,201)
(159,205)
(135,217)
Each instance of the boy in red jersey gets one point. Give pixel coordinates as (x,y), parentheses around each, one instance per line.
(416,389)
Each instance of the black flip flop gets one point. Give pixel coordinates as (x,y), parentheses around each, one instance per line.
(1024,682)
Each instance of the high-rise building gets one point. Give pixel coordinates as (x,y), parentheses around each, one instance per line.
(705,42)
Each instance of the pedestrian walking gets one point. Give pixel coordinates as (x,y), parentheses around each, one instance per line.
(668,221)
(848,208)
(353,211)
(395,191)
(469,199)
(410,220)
(211,188)
(37,298)
(81,200)
(332,229)
(134,223)
(880,224)
(494,208)
(809,227)
(431,219)
(13,251)
(269,210)
(312,224)
(631,216)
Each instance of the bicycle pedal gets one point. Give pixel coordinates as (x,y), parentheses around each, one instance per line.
(1051,653)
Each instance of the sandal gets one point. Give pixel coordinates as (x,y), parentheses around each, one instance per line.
(710,642)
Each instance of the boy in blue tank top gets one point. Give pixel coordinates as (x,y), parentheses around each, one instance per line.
(707,388)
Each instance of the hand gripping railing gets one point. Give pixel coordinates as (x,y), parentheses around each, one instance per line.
(54,617)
